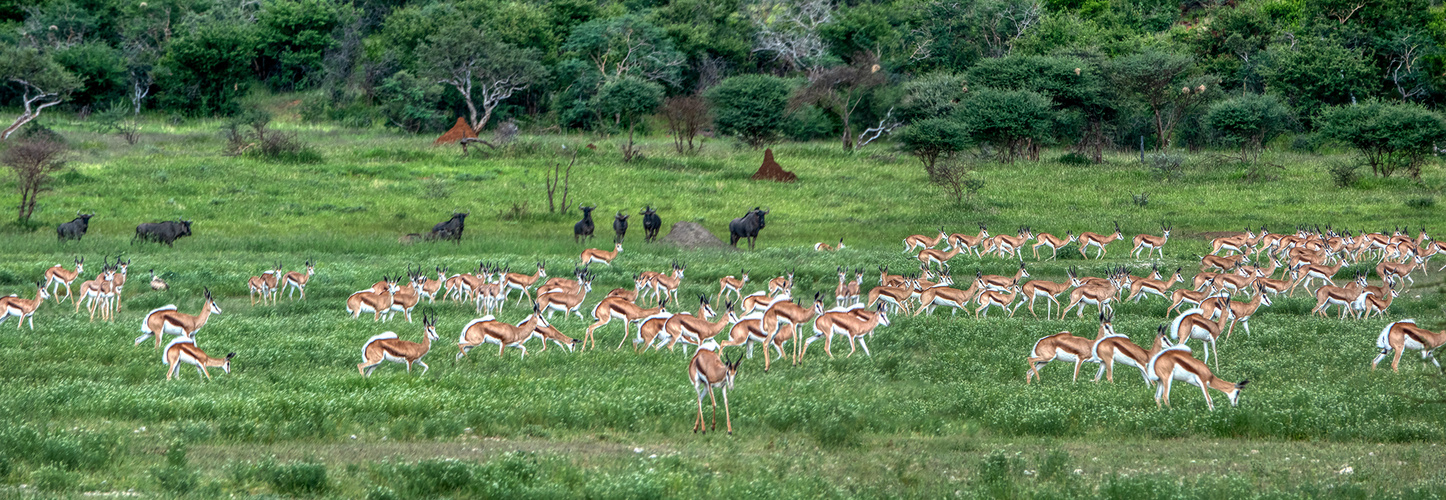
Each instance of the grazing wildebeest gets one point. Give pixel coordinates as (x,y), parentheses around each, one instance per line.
(583,229)
(452,229)
(651,223)
(620,226)
(74,229)
(746,226)
(163,232)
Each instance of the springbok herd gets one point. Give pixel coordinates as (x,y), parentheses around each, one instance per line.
(1244,265)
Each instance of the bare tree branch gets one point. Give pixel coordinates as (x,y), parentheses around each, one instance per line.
(789,30)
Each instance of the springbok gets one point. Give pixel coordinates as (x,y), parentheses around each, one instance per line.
(1194,324)
(1049,290)
(1065,347)
(296,281)
(1116,348)
(706,371)
(59,276)
(620,308)
(921,242)
(157,283)
(387,347)
(167,320)
(21,308)
(377,300)
(850,324)
(99,293)
(592,255)
(825,247)
(521,283)
(729,285)
(948,297)
(781,285)
(1176,363)
(487,330)
(1088,239)
(1054,243)
(1151,243)
(1405,335)
(406,296)
(184,350)
(565,301)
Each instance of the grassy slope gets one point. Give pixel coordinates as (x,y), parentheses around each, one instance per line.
(937,396)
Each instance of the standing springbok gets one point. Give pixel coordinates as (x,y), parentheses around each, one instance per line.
(1088,239)
(851,324)
(184,350)
(1054,243)
(296,281)
(592,255)
(921,242)
(1149,243)
(387,347)
(565,301)
(407,296)
(620,308)
(59,276)
(1405,335)
(947,297)
(378,300)
(1194,324)
(486,330)
(666,286)
(1175,363)
(167,320)
(99,293)
(706,371)
(21,308)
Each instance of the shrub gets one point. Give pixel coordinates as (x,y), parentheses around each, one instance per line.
(931,138)
(1392,136)
(750,107)
(33,162)
(297,478)
(686,115)
(119,118)
(1421,203)
(1165,166)
(1344,173)
(54,479)
(203,66)
(628,98)
(931,96)
(1248,122)
(1011,120)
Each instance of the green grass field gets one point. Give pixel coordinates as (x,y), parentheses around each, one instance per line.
(939,410)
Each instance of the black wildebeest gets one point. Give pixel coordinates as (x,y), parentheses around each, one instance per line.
(651,223)
(74,229)
(163,232)
(583,229)
(746,226)
(452,229)
(620,226)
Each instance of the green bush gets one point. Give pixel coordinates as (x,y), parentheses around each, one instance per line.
(1165,166)
(101,69)
(1343,173)
(1011,120)
(931,96)
(297,478)
(931,138)
(54,479)
(1248,122)
(207,67)
(1392,136)
(750,107)
(1421,203)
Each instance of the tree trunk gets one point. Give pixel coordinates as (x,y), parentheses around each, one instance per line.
(848,133)
(628,154)
(1160,132)
(486,117)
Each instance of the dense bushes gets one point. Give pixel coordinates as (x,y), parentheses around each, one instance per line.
(1391,136)
(750,107)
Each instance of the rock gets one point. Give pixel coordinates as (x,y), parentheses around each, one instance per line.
(692,236)
(772,171)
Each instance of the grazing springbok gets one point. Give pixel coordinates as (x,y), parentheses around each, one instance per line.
(296,281)
(620,308)
(696,329)
(376,300)
(1092,294)
(785,311)
(1088,239)
(184,350)
(1065,347)
(921,242)
(58,276)
(1149,243)
(1176,363)
(592,255)
(23,309)
(1115,348)
(486,330)
(990,298)
(747,226)
(1405,335)
(1239,312)
(583,229)
(167,320)
(387,347)
(707,371)
(1194,324)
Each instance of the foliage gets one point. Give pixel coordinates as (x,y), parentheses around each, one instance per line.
(484,72)
(626,46)
(1312,75)
(932,138)
(841,90)
(119,119)
(1391,136)
(1248,122)
(686,116)
(1343,173)
(933,95)
(100,68)
(296,478)
(206,70)
(1160,81)
(33,161)
(750,107)
(408,103)
(627,99)
(1165,166)
(1422,203)
(42,83)
(1013,121)
(955,176)
(291,38)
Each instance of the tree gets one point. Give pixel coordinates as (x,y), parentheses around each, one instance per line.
(790,30)
(1312,75)
(628,98)
(626,46)
(685,115)
(932,138)
(840,90)
(484,71)
(32,161)
(1159,80)
(204,70)
(1392,137)
(865,29)
(1248,122)
(43,83)
(1011,120)
(292,36)
(750,107)
(100,69)
(932,95)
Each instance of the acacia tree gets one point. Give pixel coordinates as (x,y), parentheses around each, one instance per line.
(1161,81)
(32,161)
(484,71)
(43,83)
(841,90)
